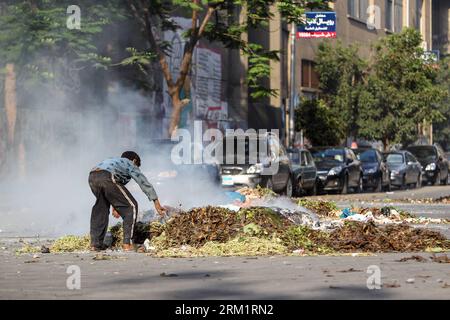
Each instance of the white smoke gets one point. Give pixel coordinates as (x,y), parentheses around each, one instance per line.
(62,145)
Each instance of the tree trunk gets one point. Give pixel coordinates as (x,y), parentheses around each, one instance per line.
(385,144)
(10,102)
(177,106)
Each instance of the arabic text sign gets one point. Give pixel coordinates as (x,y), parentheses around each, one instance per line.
(318,25)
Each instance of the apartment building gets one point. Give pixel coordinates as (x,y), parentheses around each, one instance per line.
(441,26)
(363,22)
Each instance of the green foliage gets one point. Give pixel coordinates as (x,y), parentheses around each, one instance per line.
(35,35)
(226,27)
(401,91)
(321,124)
(381,99)
(341,73)
(441,132)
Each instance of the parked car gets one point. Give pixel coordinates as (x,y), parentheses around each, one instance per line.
(433,161)
(304,171)
(405,169)
(376,174)
(338,169)
(271,168)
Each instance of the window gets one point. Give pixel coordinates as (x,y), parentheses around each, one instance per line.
(358,9)
(389,10)
(419,4)
(309,158)
(398,15)
(310,78)
(363,5)
(352,7)
(304,159)
(408,158)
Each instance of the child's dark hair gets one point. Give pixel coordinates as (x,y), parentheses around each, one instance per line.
(131,155)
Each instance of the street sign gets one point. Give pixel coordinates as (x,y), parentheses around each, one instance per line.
(432,56)
(318,25)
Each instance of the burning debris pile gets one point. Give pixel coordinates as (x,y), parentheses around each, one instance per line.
(260,227)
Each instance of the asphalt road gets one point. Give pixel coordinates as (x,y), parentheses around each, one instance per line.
(137,276)
(427,192)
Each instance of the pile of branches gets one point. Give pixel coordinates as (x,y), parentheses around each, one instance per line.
(368,237)
(320,207)
(200,225)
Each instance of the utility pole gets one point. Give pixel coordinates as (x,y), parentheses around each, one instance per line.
(292,86)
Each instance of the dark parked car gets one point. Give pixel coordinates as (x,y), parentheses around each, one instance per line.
(433,161)
(375,170)
(271,168)
(338,169)
(405,169)
(304,171)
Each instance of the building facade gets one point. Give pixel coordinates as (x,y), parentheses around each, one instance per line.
(363,22)
(441,26)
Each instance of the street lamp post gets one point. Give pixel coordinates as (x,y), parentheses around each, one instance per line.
(292,86)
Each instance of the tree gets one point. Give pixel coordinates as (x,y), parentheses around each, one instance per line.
(319,121)
(442,129)
(341,77)
(213,20)
(332,117)
(401,91)
(34,40)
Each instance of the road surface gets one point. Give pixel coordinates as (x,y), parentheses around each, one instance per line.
(138,276)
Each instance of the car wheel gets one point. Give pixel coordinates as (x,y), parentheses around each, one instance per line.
(360,187)
(313,190)
(344,189)
(437,181)
(388,186)
(445,181)
(379,186)
(269,184)
(288,191)
(419,181)
(403,185)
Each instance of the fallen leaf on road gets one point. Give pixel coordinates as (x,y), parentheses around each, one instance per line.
(440,259)
(416,258)
(101,256)
(394,284)
(350,270)
(168,275)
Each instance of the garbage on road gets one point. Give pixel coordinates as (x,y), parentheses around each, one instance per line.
(266,224)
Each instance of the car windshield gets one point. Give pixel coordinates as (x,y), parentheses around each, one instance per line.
(394,158)
(368,156)
(244,150)
(336,155)
(426,153)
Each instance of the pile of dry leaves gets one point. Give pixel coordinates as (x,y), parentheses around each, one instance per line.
(368,237)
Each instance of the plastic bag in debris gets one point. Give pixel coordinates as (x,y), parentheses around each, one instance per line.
(346,213)
(358,217)
(235,196)
(300,216)
(231,207)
